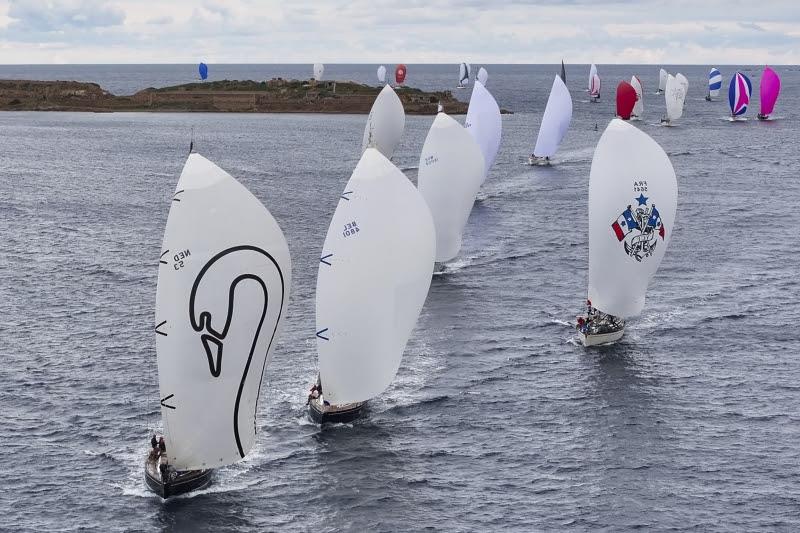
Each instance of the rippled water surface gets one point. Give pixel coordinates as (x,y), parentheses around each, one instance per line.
(498,419)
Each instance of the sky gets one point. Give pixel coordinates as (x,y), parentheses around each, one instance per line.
(410,31)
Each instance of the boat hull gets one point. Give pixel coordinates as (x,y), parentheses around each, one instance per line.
(180,482)
(334,414)
(597,339)
(535,161)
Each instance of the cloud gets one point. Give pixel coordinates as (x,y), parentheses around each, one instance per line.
(55,16)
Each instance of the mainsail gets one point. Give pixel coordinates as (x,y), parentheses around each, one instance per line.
(385,123)
(484,124)
(463,74)
(450,174)
(594,82)
(769,90)
(684,83)
(381,74)
(714,83)
(223,288)
(319,69)
(739,92)
(632,200)
(626,99)
(555,121)
(374,275)
(638,108)
(674,95)
(662,81)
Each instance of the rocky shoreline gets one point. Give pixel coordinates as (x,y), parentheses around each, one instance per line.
(273,96)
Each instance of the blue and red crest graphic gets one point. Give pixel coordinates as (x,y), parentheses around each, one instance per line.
(639,228)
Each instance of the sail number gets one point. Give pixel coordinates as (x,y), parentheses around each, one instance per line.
(351,228)
(640,186)
(179,258)
(430,160)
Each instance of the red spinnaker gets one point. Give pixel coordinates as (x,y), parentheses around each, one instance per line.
(400,73)
(626,99)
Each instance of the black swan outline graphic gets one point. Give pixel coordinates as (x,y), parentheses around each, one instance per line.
(213,340)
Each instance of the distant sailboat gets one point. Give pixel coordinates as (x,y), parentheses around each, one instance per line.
(400,74)
(374,274)
(463,75)
(739,92)
(769,89)
(638,108)
(632,201)
(484,123)
(450,174)
(594,84)
(626,99)
(555,123)
(662,81)
(319,69)
(223,289)
(680,78)
(674,96)
(714,84)
(202,69)
(483,76)
(385,123)
(381,74)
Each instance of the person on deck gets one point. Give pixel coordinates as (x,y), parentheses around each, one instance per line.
(162,446)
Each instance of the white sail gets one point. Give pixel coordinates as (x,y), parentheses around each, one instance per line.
(385,123)
(223,288)
(592,74)
(555,121)
(450,174)
(662,80)
(463,74)
(674,95)
(680,78)
(374,275)
(483,76)
(632,199)
(484,124)
(638,108)
(381,74)
(319,69)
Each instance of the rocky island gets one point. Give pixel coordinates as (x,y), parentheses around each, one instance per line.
(273,96)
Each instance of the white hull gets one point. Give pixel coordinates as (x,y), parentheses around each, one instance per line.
(538,161)
(601,338)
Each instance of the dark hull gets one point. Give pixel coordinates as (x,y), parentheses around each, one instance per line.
(322,414)
(180,483)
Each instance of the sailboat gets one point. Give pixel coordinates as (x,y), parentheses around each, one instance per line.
(319,69)
(714,83)
(385,123)
(563,72)
(485,124)
(223,288)
(555,123)
(769,89)
(202,69)
(674,95)
(632,201)
(463,75)
(638,108)
(680,78)
(381,74)
(400,72)
(662,81)
(594,84)
(483,76)
(739,92)
(626,99)
(450,174)
(373,278)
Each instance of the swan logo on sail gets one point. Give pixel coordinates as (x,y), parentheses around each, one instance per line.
(639,228)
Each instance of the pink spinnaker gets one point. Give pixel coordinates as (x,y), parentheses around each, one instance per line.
(769,90)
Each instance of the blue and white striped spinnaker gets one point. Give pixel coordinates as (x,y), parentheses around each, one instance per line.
(714,82)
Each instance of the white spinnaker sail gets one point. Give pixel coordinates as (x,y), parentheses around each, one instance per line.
(483,76)
(674,95)
(632,199)
(374,275)
(385,123)
(450,174)
(319,69)
(381,74)
(463,74)
(638,107)
(223,288)
(592,74)
(485,124)
(662,80)
(555,121)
